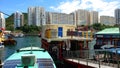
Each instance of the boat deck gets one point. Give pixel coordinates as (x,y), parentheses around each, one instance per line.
(92,63)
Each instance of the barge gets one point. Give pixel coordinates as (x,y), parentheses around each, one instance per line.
(60,39)
(75,49)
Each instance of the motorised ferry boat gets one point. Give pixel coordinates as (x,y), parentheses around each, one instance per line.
(29,57)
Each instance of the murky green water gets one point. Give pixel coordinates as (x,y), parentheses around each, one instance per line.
(21,42)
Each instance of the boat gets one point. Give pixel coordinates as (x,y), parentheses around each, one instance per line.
(9,41)
(2,38)
(21,35)
(1,45)
(61,40)
(6,39)
(18,35)
(29,57)
(39,35)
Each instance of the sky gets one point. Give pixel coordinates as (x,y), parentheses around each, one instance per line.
(104,7)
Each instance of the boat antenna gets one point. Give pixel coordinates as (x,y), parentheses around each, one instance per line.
(31,49)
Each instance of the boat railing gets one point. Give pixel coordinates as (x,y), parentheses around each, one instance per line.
(30,49)
(101,57)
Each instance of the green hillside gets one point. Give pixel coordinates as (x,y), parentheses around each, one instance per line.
(10,21)
(25,18)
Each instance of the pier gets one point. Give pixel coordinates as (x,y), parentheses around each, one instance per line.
(97,59)
(90,63)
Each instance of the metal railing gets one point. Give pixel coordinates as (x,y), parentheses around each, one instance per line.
(101,57)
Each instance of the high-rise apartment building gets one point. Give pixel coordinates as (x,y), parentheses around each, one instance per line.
(59,18)
(93,17)
(71,19)
(107,20)
(117,16)
(36,16)
(82,17)
(18,19)
(31,15)
(2,21)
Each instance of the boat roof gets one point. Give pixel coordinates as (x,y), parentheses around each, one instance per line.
(109,31)
(43,59)
(33,48)
(38,52)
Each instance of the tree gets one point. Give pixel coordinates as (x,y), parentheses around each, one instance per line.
(97,26)
(30,29)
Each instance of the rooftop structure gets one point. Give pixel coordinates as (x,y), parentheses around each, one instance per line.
(51,31)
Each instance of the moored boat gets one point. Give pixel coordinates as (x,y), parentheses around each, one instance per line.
(18,35)
(39,35)
(9,41)
(21,35)
(1,45)
(29,57)
(2,38)
(59,40)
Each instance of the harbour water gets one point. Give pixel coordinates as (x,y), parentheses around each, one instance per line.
(21,42)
